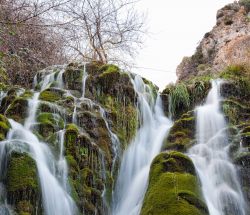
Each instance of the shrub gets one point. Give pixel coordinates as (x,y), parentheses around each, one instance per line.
(179,97)
(246,4)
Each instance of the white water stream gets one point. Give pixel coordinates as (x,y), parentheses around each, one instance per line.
(218,175)
(52,172)
(134,171)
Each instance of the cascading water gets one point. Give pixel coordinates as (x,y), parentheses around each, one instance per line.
(62,163)
(220,185)
(135,165)
(52,173)
(48,79)
(84,79)
(2,95)
(55,199)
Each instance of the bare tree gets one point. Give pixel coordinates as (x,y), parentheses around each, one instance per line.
(25,44)
(103,30)
(38,33)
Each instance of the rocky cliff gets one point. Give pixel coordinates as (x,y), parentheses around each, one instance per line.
(226,44)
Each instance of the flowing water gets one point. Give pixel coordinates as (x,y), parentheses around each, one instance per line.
(51,77)
(52,172)
(84,79)
(220,186)
(134,171)
(2,95)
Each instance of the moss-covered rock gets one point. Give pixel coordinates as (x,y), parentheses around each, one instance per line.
(182,134)
(85,167)
(173,187)
(4,127)
(124,118)
(25,208)
(51,95)
(108,80)
(22,184)
(73,76)
(48,124)
(18,110)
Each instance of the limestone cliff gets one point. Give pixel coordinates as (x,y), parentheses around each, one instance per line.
(226,44)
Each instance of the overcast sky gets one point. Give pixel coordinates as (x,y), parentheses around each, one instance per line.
(175,27)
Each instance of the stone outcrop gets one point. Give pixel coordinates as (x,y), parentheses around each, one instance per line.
(226,44)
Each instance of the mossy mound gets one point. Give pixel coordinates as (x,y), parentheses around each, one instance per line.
(52,119)
(48,124)
(173,187)
(4,127)
(73,76)
(22,183)
(51,95)
(182,134)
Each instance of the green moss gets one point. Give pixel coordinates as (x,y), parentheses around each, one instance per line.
(124,117)
(27,94)
(51,119)
(173,187)
(72,127)
(50,95)
(24,208)
(4,127)
(109,77)
(235,111)
(21,173)
(108,68)
(48,124)
(71,139)
(73,76)
(71,161)
(3,86)
(181,135)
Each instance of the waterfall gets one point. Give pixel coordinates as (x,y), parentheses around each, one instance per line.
(59,78)
(84,78)
(52,172)
(62,163)
(55,199)
(220,186)
(2,95)
(135,165)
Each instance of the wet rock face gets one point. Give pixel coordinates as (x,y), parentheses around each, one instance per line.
(228,43)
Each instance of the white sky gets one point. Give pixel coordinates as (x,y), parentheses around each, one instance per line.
(175,27)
